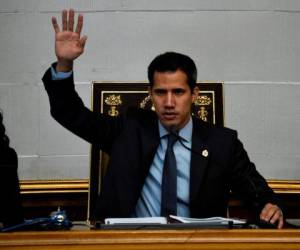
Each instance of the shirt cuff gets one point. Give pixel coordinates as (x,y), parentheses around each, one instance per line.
(60,75)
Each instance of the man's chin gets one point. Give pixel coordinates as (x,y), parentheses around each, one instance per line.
(170,125)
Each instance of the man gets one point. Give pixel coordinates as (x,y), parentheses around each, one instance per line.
(210,160)
(11,212)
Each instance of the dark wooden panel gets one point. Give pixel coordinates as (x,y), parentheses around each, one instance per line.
(42,204)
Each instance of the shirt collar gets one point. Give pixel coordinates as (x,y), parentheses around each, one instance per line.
(185,133)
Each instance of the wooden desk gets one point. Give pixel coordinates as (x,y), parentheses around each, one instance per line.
(154,239)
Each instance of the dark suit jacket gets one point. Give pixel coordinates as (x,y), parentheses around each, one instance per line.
(132,139)
(10,209)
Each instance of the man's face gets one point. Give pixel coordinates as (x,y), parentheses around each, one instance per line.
(172,98)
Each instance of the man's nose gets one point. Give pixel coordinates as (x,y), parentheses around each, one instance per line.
(169,102)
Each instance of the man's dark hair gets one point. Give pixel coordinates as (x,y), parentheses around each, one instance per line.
(171,62)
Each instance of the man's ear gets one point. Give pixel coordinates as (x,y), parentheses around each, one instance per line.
(195,93)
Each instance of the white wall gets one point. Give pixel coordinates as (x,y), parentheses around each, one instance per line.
(251,45)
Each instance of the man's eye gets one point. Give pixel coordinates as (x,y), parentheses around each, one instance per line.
(178,91)
(159,92)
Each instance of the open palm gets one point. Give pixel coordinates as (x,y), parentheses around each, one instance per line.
(68,43)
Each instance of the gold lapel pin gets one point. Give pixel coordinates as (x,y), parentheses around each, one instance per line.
(205,153)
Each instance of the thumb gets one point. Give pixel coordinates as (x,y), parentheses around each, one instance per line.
(82,41)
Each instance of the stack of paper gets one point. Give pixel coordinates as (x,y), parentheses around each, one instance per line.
(175,219)
(144,220)
(207,221)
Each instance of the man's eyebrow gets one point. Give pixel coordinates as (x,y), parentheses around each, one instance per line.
(159,90)
(178,90)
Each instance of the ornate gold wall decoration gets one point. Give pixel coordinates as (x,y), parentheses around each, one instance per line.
(113,101)
(145,102)
(202,101)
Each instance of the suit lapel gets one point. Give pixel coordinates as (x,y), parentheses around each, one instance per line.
(199,157)
(150,140)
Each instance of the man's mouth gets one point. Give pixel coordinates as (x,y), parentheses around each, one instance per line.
(169,115)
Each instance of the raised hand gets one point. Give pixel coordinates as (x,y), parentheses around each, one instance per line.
(68,43)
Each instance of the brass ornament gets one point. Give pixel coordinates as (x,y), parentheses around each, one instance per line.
(203,113)
(147,101)
(113,101)
(202,101)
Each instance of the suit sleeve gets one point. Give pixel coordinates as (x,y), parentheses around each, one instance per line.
(247,181)
(67,108)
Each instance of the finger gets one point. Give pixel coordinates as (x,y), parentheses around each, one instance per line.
(269,211)
(55,25)
(266,213)
(270,214)
(65,20)
(79,24)
(273,214)
(71,20)
(82,41)
(280,223)
(275,217)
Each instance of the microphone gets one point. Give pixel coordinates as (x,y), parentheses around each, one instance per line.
(57,220)
(174,131)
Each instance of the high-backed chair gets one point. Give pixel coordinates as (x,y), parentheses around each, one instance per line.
(114,98)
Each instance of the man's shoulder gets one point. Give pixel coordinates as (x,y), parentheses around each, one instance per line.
(8,156)
(212,129)
(219,139)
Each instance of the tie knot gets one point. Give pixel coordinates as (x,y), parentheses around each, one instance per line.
(172,139)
